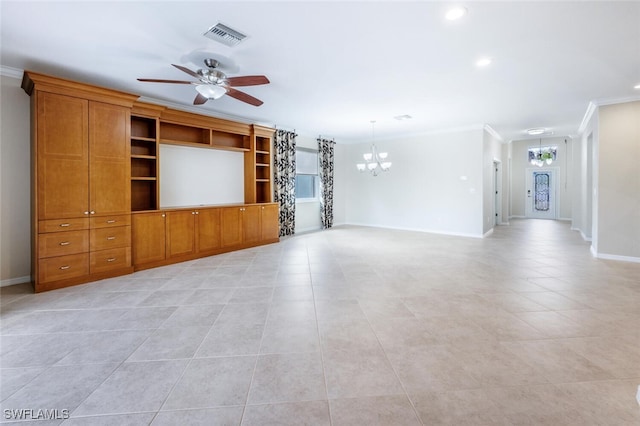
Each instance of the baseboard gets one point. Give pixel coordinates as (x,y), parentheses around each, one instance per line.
(606,256)
(517,217)
(427,231)
(13,281)
(584,237)
(308,230)
(489,232)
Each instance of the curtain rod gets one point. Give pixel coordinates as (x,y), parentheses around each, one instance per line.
(285,128)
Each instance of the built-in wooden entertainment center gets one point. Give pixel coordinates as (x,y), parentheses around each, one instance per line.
(96,184)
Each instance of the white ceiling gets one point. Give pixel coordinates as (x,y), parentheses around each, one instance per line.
(334,65)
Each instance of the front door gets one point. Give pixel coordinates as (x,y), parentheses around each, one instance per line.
(541,194)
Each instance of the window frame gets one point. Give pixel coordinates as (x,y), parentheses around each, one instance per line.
(316,180)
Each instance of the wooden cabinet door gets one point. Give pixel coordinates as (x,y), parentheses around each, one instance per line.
(148,237)
(251,224)
(231,226)
(62,156)
(180,233)
(270,222)
(109,159)
(208,229)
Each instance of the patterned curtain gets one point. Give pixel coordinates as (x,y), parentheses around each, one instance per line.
(284,179)
(325,157)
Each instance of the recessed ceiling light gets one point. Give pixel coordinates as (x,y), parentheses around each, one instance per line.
(456,13)
(536,131)
(483,62)
(403,117)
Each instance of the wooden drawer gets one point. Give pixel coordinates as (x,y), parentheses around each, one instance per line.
(63,267)
(62,243)
(107,260)
(108,238)
(110,221)
(61,225)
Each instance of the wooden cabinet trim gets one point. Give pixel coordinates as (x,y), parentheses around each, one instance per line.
(32,81)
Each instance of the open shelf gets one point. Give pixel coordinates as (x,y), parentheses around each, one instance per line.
(179,133)
(143,147)
(144,163)
(229,140)
(263,191)
(144,195)
(143,128)
(263,145)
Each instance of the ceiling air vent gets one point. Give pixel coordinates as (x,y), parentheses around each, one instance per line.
(225,35)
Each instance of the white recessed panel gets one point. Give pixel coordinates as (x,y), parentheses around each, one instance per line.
(194,176)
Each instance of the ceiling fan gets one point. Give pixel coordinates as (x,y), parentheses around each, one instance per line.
(213,83)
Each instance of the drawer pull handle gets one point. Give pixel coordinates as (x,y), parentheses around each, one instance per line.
(112,221)
(63,225)
(111,238)
(92,212)
(65,267)
(111,259)
(86,212)
(65,243)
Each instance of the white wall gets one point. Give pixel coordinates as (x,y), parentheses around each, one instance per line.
(618,182)
(193,176)
(15,186)
(582,196)
(434,185)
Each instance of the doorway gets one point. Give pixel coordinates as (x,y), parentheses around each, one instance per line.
(541,193)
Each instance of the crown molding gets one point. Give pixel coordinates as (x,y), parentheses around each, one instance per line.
(493,133)
(595,104)
(11,72)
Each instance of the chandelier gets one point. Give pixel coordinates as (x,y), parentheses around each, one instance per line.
(541,156)
(374,160)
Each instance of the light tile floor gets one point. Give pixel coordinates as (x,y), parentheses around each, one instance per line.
(344,327)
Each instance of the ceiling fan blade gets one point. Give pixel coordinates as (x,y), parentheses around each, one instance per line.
(199,100)
(188,71)
(248,80)
(153,80)
(244,97)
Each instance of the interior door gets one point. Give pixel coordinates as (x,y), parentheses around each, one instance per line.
(541,194)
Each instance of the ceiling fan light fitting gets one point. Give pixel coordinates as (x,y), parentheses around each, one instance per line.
(211,91)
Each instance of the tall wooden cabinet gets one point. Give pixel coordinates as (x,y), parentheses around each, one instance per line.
(81,171)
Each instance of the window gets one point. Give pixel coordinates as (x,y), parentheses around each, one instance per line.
(307,181)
